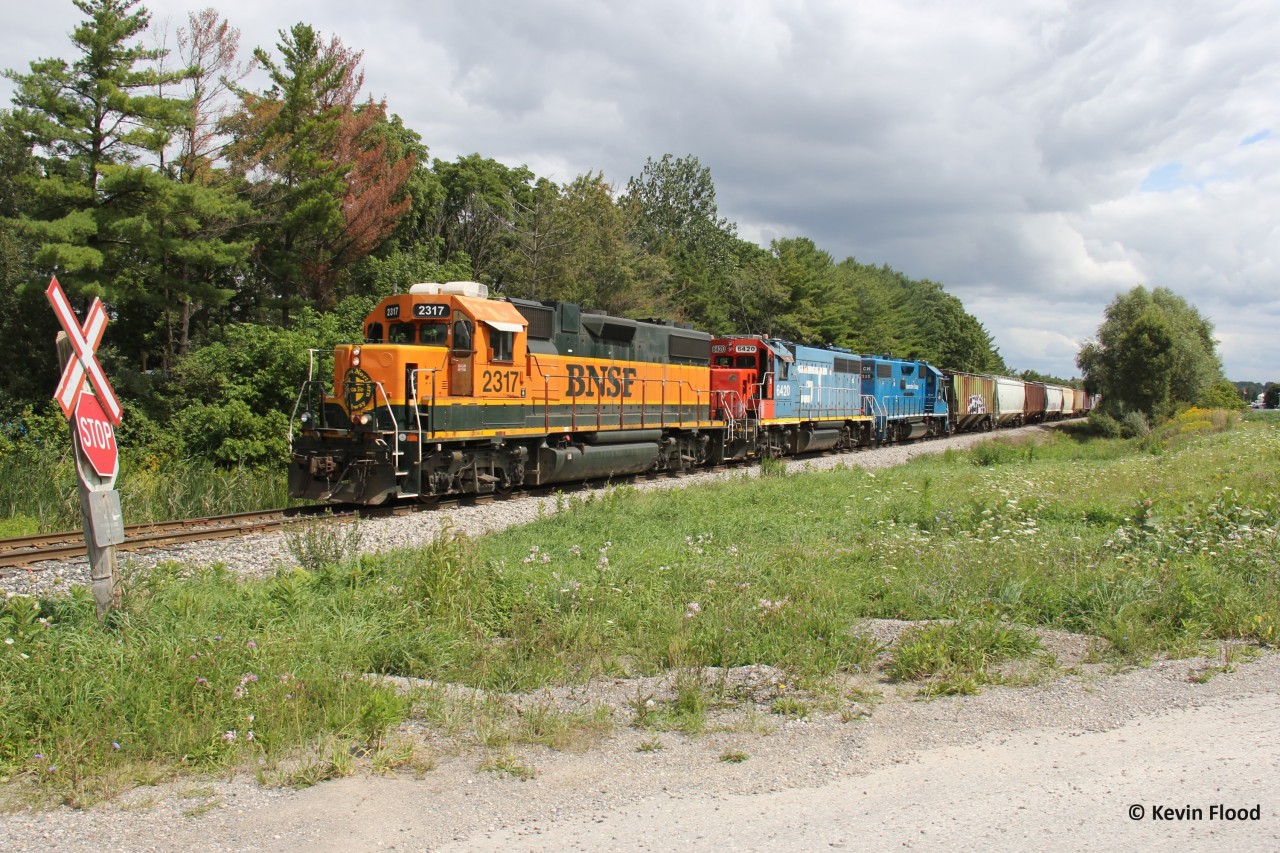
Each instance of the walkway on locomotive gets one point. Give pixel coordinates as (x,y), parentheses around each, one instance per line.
(451,366)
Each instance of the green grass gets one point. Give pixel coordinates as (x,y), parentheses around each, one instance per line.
(38,491)
(1152,552)
(957,657)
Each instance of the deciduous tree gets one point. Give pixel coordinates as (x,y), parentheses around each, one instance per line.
(326,184)
(1154,351)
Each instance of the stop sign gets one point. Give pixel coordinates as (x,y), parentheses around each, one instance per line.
(97,438)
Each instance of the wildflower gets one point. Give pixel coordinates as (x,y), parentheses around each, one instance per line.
(38,756)
(768,607)
(53,768)
(575,551)
(229,736)
(692,609)
(8,641)
(252,644)
(249,735)
(251,718)
(115,745)
(202,681)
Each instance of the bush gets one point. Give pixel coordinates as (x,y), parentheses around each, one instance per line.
(1135,425)
(1222,395)
(1104,426)
(233,434)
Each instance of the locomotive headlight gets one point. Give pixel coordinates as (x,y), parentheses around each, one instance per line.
(364,419)
(355,356)
(305,418)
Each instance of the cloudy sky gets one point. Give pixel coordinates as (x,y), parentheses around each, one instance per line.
(1037,158)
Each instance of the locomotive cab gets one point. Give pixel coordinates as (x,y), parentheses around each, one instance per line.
(737,365)
(426,358)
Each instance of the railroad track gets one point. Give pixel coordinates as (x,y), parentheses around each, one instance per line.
(25,550)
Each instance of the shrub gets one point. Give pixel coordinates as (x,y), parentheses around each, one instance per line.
(1222,395)
(1135,425)
(1104,425)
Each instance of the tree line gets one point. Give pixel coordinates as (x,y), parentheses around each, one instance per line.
(230,228)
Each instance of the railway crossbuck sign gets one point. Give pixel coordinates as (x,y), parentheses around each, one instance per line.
(91,415)
(92,412)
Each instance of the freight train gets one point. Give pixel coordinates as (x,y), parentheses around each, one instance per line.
(451,392)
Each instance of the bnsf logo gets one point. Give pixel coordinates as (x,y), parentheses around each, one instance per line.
(587,380)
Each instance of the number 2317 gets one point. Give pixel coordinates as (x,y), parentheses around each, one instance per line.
(500,381)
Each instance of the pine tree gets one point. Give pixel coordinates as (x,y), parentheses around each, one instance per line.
(80,119)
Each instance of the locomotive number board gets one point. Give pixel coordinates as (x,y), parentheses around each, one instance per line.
(421,311)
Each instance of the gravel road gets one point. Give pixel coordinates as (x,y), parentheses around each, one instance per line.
(1057,765)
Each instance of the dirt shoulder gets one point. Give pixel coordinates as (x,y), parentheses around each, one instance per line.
(1055,765)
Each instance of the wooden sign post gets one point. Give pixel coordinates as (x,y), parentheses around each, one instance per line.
(92,417)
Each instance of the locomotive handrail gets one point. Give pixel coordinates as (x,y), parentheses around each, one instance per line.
(311,380)
(302,392)
(431,415)
(595,410)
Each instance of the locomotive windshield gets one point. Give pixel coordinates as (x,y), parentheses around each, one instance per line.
(433,334)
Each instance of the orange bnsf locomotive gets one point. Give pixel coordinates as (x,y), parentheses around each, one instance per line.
(453,393)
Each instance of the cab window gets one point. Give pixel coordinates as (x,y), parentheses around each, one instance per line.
(502,345)
(724,361)
(433,334)
(373,333)
(746,361)
(462,335)
(400,333)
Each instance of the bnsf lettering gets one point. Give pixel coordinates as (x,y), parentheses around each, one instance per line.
(587,380)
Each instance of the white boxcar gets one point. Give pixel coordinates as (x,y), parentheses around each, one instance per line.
(1011,396)
(1053,402)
